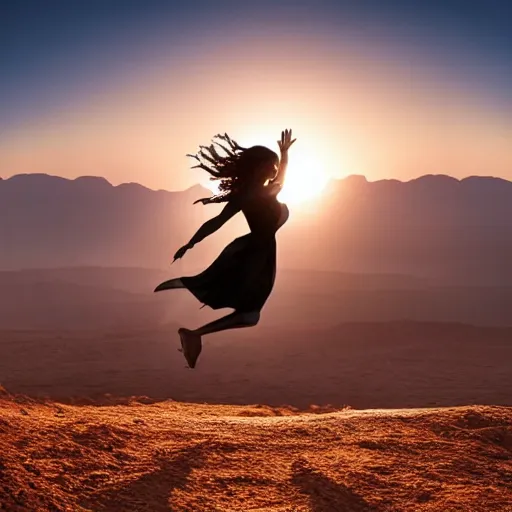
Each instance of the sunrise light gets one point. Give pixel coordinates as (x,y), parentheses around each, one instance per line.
(306,178)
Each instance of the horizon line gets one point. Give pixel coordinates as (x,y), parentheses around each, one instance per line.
(337,180)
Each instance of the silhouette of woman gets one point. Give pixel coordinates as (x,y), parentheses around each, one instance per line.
(242,276)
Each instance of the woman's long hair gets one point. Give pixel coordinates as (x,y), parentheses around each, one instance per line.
(237,169)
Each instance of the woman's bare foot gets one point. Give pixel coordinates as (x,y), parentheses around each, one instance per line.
(191,345)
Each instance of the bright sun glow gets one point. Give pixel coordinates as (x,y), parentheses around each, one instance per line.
(306,178)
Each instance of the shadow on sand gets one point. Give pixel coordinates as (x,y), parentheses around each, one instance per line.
(324,494)
(152,491)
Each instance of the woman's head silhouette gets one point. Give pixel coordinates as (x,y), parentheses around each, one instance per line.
(238,169)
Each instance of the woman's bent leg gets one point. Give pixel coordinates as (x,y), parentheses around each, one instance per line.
(191,340)
(234,320)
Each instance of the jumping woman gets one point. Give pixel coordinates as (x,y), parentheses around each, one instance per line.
(243,275)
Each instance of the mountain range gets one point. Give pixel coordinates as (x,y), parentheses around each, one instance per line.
(436,227)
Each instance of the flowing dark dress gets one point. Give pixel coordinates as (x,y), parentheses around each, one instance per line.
(243,275)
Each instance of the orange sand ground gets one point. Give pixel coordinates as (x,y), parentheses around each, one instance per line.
(170,456)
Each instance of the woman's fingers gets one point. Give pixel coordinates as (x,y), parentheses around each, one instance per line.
(180,253)
(286,140)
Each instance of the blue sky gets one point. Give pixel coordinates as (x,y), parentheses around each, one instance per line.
(59,56)
(52,50)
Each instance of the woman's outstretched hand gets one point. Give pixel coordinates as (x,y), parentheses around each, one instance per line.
(286,141)
(181,252)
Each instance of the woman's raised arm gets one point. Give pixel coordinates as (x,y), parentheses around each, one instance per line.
(284,145)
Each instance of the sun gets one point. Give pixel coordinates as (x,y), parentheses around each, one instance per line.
(306,176)
(305,179)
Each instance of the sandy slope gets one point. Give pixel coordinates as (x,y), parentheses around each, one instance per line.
(186,457)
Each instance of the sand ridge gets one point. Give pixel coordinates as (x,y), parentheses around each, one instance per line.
(171,456)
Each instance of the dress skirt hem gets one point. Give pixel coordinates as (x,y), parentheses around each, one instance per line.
(241,277)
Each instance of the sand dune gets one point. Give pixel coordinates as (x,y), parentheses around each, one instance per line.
(185,457)
(123,298)
(368,365)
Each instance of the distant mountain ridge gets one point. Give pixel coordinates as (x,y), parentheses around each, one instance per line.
(42,178)
(494,182)
(432,226)
(50,221)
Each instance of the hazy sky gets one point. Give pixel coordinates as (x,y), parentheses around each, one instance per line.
(124,89)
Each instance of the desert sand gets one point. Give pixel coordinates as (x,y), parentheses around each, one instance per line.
(171,456)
